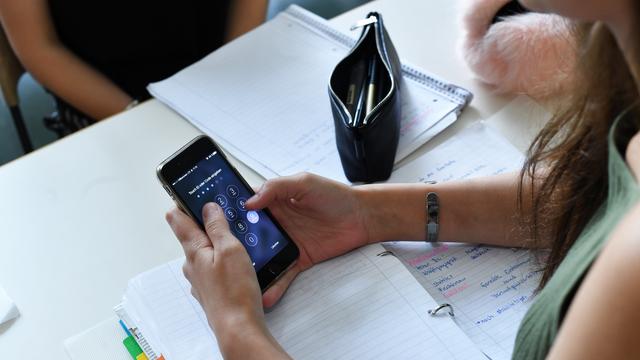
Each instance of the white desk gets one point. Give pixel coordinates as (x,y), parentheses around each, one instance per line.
(80,217)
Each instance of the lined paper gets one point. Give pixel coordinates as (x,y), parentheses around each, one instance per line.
(357,306)
(274,114)
(490,288)
(476,151)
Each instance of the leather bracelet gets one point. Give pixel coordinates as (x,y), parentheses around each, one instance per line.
(433,213)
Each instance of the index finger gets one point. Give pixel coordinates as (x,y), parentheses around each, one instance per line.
(191,237)
(282,188)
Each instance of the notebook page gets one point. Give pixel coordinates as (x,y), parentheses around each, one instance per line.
(356,306)
(489,287)
(274,114)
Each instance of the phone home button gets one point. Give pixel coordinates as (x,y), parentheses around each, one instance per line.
(275,269)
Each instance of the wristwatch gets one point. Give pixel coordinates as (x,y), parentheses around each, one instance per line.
(433,211)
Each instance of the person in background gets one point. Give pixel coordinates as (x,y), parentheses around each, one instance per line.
(97,57)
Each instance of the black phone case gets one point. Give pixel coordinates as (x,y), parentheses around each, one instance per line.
(367,151)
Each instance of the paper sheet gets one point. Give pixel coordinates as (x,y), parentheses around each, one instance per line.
(100,342)
(274,114)
(8,309)
(490,288)
(352,307)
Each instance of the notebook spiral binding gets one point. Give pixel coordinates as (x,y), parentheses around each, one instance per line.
(456,94)
(432,312)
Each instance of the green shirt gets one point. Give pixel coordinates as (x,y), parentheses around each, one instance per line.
(540,325)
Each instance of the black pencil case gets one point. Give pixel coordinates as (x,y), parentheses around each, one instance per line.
(367,142)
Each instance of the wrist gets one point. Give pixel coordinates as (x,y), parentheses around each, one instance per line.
(239,334)
(394,211)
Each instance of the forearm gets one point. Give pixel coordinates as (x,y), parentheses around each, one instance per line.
(483,210)
(33,36)
(244,15)
(76,82)
(249,342)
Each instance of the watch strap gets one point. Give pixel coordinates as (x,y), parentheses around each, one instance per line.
(433,213)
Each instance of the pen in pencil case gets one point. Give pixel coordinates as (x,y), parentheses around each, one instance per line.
(353,91)
(372,82)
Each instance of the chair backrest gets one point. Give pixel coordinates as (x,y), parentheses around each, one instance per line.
(10,71)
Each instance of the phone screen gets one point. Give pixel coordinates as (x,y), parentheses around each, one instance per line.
(211,179)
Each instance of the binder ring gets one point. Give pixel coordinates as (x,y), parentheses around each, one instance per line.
(434,312)
(385,253)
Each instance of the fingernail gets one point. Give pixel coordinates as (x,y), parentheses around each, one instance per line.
(170,216)
(210,209)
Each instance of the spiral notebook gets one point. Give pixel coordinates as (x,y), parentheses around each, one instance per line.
(357,306)
(264,97)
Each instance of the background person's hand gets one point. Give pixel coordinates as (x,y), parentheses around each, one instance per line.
(325,219)
(223,280)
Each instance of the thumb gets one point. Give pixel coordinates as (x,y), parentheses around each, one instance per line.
(275,292)
(215,224)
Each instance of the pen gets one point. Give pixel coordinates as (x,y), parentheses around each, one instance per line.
(360,104)
(355,82)
(382,85)
(372,79)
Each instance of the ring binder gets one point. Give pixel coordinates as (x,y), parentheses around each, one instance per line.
(385,253)
(434,312)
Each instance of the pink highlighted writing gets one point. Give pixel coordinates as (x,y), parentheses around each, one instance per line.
(455,291)
(429,255)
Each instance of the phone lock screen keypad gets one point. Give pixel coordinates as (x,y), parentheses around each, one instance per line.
(212,180)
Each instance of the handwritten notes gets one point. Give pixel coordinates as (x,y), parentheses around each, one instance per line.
(489,288)
(355,306)
(274,114)
(476,151)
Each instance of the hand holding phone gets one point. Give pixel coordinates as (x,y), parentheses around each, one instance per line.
(325,217)
(224,283)
(200,173)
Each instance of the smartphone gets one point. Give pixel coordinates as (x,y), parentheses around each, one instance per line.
(199,173)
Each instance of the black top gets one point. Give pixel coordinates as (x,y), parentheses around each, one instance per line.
(141,41)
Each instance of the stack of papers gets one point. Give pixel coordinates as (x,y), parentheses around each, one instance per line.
(359,305)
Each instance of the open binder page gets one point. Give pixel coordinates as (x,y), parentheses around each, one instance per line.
(357,306)
(274,113)
(490,288)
